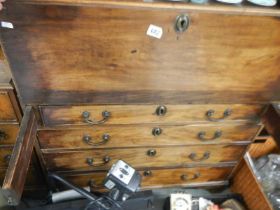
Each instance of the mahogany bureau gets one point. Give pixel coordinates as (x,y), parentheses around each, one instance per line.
(181,107)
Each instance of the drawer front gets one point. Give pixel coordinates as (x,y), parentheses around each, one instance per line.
(7,112)
(142,157)
(8,133)
(5,155)
(135,114)
(144,135)
(159,177)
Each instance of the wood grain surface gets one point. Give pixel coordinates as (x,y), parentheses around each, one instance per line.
(9,133)
(7,112)
(138,114)
(61,55)
(9,105)
(211,6)
(158,177)
(257,150)
(138,157)
(142,135)
(246,184)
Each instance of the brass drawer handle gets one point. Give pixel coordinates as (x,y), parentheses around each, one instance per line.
(7,159)
(88,140)
(182,23)
(151,152)
(205,156)
(156,131)
(147,173)
(161,110)
(86,116)
(3,136)
(202,135)
(210,115)
(90,161)
(185,177)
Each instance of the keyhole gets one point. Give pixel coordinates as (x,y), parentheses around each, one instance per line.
(182,23)
(156,131)
(161,110)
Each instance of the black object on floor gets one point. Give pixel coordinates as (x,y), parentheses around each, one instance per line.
(140,201)
(145,200)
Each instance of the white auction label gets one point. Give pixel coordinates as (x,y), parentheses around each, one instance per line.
(155,31)
(6,25)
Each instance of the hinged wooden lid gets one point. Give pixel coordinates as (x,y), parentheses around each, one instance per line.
(98,55)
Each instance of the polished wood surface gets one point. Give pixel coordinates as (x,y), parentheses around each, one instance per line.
(16,105)
(159,177)
(209,63)
(257,150)
(21,157)
(142,135)
(9,104)
(246,184)
(211,6)
(7,112)
(138,114)
(138,157)
(8,133)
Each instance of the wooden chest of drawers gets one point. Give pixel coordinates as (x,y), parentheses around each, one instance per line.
(182,109)
(162,141)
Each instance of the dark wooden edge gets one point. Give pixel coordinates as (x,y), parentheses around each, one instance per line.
(231,164)
(13,100)
(271,121)
(15,103)
(190,185)
(17,171)
(212,6)
(236,168)
(75,150)
(41,161)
